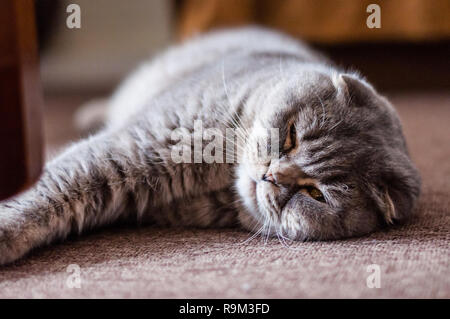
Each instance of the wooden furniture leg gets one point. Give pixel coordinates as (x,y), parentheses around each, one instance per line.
(20,98)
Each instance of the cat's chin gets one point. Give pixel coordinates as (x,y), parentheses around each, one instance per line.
(246,187)
(251,216)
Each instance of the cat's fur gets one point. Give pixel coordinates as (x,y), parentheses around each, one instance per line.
(349,145)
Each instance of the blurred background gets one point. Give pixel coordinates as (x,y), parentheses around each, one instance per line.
(408,54)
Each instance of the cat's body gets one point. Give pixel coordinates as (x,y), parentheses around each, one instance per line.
(244,79)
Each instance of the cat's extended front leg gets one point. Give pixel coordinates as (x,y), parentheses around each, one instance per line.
(96,182)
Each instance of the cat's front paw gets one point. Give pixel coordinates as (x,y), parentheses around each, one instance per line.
(10,250)
(15,239)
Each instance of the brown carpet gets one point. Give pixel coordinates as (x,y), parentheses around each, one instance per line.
(158,263)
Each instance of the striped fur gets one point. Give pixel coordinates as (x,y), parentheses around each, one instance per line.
(350,144)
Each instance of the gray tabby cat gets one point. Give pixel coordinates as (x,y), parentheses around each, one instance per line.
(342,168)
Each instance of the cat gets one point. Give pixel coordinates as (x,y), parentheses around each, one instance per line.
(341,167)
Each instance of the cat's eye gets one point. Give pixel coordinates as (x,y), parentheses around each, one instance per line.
(313,192)
(289,143)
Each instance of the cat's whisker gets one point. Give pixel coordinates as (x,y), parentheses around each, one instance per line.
(323,110)
(253,236)
(281,240)
(228,119)
(289,246)
(234,113)
(224,82)
(240,131)
(269,225)
(233,143)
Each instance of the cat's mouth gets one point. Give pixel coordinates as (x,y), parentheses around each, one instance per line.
(260,197)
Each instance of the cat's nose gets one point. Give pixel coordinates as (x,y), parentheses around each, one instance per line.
(269,178)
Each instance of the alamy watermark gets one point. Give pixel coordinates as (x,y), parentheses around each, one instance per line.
(374,19)
(74,279)
(374,279)
(73,20)
(215,145)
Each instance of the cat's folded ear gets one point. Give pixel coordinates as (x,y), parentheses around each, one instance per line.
(389,211)
(396,199)
(385,205)
(353,90)
(395,191)
(398,207)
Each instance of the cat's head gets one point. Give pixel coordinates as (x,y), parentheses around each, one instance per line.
(342,168)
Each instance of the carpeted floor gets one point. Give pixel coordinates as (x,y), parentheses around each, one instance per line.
(159,263)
